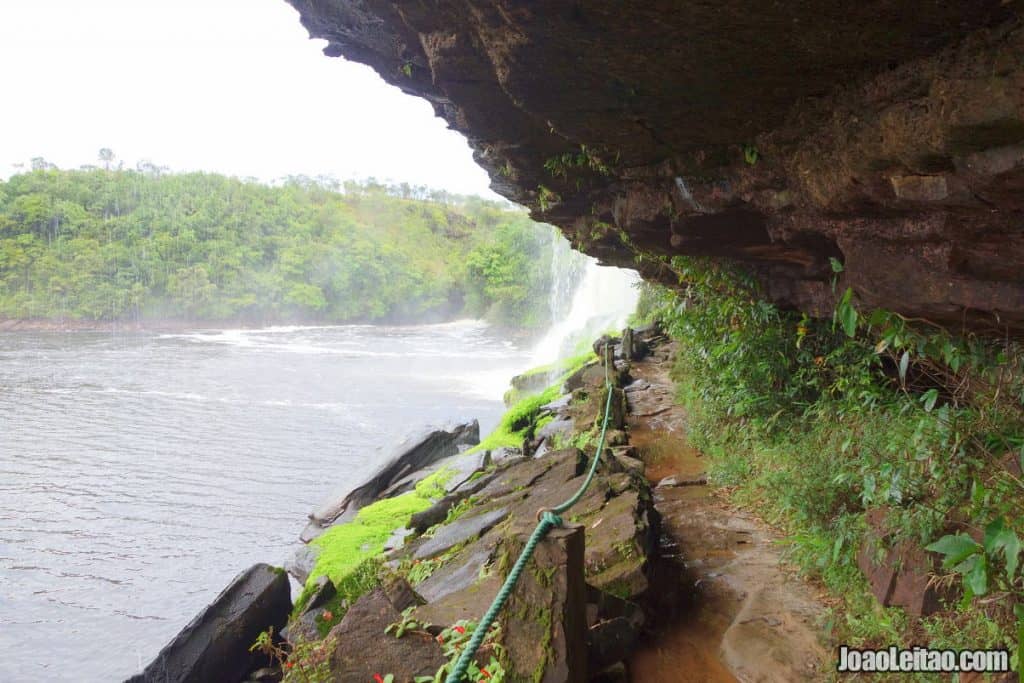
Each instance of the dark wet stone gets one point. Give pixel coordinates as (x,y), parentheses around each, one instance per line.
(302,561)
(618,543)
(471,602)
(456,575)
(400,594)
(214,646)
(505,454)
(608,606)
(324,590)
(562,427)
(361,649)
(616,673)
(637,385)
(544,622)
(412,455)
(629,464)
(268,674)
(438,512)
(609,642)
(397,539)
(462,529)
(558,404)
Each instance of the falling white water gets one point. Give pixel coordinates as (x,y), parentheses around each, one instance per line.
(603,299)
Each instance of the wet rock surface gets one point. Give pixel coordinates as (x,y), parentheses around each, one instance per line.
(392,478)
(727,606)
(214,646)
(459,531)
(575,611)
(361,649)
(882,134)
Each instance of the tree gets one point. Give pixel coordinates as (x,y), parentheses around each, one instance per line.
(106,155)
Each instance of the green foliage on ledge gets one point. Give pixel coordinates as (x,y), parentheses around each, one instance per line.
(815,422)
(345,549)
(126,245)
(521,418)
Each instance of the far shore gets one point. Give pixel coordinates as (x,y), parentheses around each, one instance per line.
(172,325)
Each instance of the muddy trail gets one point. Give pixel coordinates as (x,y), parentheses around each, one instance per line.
(729,609)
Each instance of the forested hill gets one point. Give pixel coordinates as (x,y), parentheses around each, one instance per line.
(126,245)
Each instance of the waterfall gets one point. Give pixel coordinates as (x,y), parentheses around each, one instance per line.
(602,299)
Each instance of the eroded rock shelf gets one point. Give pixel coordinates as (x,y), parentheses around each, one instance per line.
(887,135)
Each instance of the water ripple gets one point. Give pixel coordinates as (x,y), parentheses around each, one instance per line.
(132,466)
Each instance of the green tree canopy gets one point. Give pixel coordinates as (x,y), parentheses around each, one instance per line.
(100,244)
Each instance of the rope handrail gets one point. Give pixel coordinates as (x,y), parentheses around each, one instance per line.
(549,519)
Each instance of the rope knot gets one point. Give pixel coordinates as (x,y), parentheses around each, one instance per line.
(549,515)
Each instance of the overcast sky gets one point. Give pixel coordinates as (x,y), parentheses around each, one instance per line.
(234,86)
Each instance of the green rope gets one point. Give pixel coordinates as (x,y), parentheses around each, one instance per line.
(549,520)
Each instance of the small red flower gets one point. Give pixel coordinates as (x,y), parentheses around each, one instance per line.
(327,615)
(458,629)
(485,673)
(378,678)
(289,665)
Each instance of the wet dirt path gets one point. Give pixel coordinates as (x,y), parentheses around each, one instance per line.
(729,608)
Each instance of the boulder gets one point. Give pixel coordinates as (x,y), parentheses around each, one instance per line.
(438,512)
(616,555)
(214,646)
(456,575)
(610,641)
(361,649)
(648,331)
(505,454)
(563,427)
(461,468)
(603,341)
(544,621)
(323,591)
(531,382)
(902,575)
(558,404)
(469,603)
(410,456)
(302,561)
(462,529)
(627,463)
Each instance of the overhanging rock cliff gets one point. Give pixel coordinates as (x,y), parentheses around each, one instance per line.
(887,134)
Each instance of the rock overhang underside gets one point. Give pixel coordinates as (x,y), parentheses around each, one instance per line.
(885,134)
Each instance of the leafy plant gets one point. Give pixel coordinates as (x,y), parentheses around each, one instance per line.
(407,624)
(979,563)
(547,198)
(454,639)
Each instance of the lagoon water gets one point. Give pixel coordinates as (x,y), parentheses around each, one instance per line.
(140,472)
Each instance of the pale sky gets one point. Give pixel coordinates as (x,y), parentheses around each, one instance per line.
(232,86)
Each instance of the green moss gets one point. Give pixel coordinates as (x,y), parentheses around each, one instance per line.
(344,546)
(516,422)
(563,366)
(544,420)
(559,369)
(433,486)
(359,581)
(346,549)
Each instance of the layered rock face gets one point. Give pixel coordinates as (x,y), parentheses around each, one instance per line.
(886,134)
